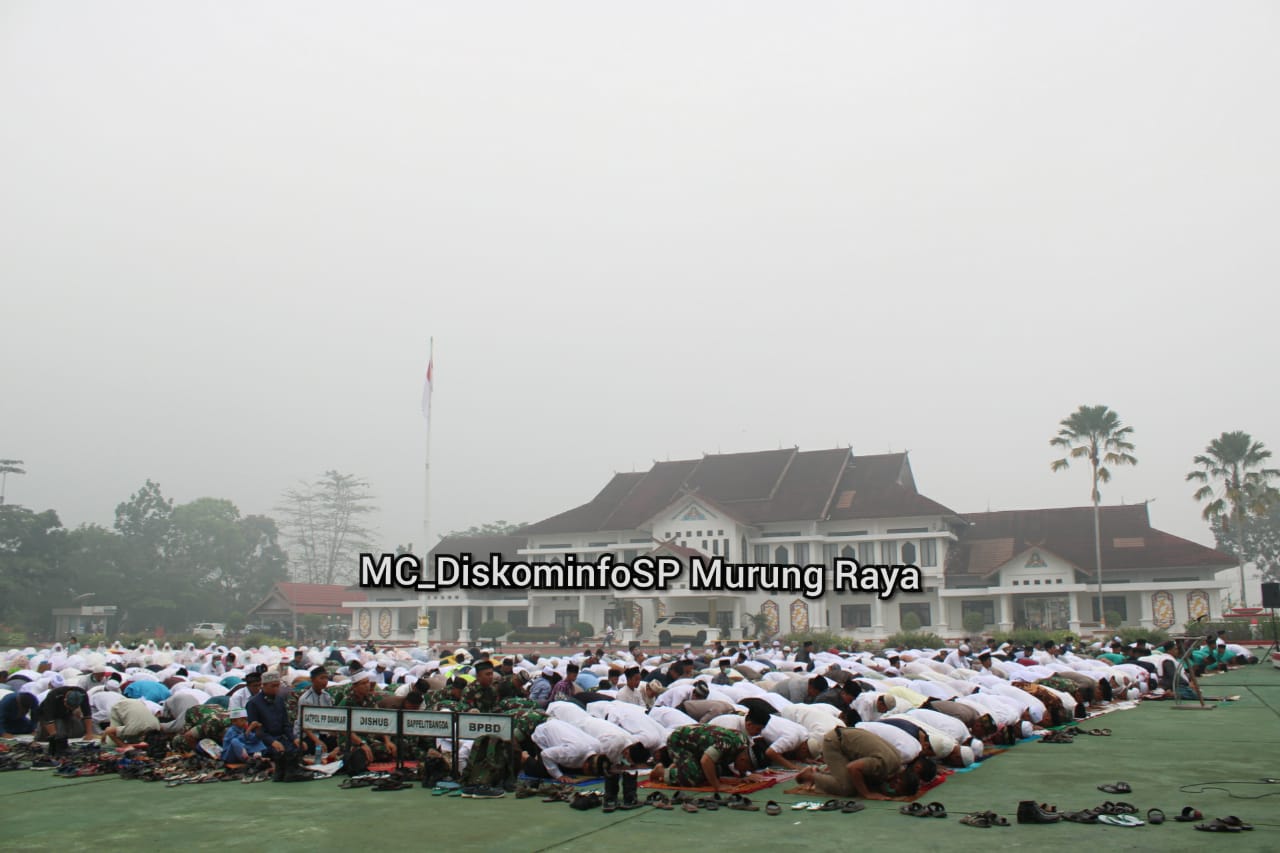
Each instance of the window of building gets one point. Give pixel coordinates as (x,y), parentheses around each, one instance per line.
(780,554)
(566,618)
(866,553)
(928,552)
(802,553)
(517,619)
(762,553)
(986,608)
(909,553)
(1114,604)
(920,610)
(724,546)
(855,616)
(848,553)
(830,553)
(889,552)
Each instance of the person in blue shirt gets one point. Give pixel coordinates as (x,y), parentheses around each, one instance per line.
(269,708)
(17,714)
(152,690)
(241,741)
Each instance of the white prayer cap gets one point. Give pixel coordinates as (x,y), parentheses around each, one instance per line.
(964,648)
(966,755)
(776,644)
(815,745)
(1027,728)
(977,746)
(548,671)
(363,675)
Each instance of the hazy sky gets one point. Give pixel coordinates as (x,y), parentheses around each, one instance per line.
(227,231)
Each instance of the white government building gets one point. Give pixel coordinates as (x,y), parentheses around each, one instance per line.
(1018,569)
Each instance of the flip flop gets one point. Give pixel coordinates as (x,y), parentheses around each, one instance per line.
(914,810)
(742,804)
(1116,788)
(1124,809)
(830,806)
(1188,815)
(1216,825)
(772,809)
(709,805)
(1155,816)
(1081,817)
(995,819)
(1119,820)
(978,820)
(1237,823)
(852,807)
(936,810)
(689,807)
(801,806)
(1100,732)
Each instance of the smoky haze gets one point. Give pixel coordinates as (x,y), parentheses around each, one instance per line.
(227,232)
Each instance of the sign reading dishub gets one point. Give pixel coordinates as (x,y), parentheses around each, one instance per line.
(375,720)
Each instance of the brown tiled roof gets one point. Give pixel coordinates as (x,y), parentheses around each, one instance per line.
(768,486)
(312,597)
(994,538)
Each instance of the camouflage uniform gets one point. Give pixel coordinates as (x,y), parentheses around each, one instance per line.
(481,698)
(204,721)
(517,703)
(689,743)
(523,722)
(373,741)
(508,689)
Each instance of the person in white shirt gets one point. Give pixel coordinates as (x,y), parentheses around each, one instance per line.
(958,658)
(240,699)
(561,746)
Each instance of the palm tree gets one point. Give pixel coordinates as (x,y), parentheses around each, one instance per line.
(1234,461)
(1095,433)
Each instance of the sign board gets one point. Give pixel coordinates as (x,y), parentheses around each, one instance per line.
(319,718)
(427,723)
(374,720)
(471,726)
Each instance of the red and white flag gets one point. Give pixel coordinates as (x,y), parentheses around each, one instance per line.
(426,389)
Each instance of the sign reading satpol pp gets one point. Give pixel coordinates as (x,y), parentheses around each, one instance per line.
(324,719)
(472,726)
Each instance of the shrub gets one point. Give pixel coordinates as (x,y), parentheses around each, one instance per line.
(1114,619)
(585,629)
(910,623)
(1028,636)
(914,640)
(822,640)
(1154,636)
(974,622)
(493,629)
(1237,629)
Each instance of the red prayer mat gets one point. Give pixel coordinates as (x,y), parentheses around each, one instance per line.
(742,787)
(389,766)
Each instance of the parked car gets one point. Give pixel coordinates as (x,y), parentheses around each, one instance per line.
(210,630)
(683,629)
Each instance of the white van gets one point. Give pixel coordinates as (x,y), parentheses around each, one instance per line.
(210,630)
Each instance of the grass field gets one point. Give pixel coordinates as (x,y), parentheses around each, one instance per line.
(1156,749)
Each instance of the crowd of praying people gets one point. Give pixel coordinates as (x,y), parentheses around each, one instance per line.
(867,724)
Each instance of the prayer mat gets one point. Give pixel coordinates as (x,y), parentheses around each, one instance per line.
(926,787)
(389,766)
(742,787)
(577,781)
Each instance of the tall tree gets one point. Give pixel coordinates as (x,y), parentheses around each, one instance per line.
(156,596)
(1095,433)
(1261,535)
(233,561)
(1235,485)
(324,522)
(33,574)
(7,467)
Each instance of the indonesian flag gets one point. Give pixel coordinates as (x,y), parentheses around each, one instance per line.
(426,390)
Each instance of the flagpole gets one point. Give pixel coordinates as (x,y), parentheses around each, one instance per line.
(422,635)
(426,472)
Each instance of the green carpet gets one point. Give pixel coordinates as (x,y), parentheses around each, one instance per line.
(1154,748)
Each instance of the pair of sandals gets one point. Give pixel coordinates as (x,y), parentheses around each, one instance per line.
(1230,823)
(920,810)
(1057,737)
(1116,788)
(984,820)
(658,800)
(1076,730)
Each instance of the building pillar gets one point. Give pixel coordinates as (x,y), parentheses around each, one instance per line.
(1006,612)
(464,630)
(1073,613)
(877,617)
(939,604)
(648,615)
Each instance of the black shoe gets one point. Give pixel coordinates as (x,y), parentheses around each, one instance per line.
(628,805)
(610,806)
(1030,812)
